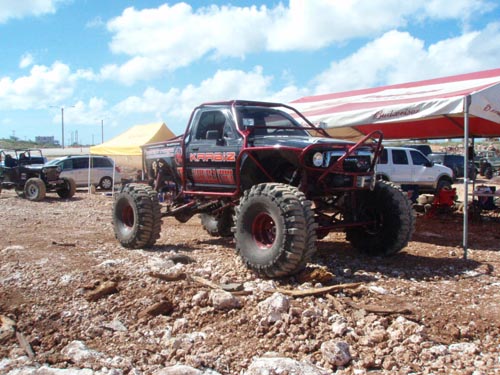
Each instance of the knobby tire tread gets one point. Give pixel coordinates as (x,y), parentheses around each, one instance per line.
(147,224)
(299,241)
(398,212)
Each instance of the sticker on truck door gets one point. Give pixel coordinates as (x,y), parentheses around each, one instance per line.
(213,176)
(228,157)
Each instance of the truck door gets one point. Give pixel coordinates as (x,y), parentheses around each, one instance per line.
(401,167)
(422,171)
(211,152)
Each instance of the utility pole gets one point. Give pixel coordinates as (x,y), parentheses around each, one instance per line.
(62,123)
(62,126)
(102,131)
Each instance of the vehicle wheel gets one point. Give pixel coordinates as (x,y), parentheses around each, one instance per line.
(106,183)
(390,210)
(482,167)
(443,184)
(157,221)
(69,188)
(275,229)
(136,216)
(473,174)
(488,172)
(34,189)
(218,225)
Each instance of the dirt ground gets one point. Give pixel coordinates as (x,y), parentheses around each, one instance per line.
(64,278)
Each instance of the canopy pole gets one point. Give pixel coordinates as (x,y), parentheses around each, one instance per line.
(467,102)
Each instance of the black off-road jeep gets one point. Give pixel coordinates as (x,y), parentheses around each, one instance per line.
(24,171)
(261,172)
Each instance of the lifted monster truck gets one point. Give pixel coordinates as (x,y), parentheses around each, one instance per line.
(488,163)
(251,170)
(24,171)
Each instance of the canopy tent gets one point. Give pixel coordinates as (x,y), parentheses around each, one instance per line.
(429,109)
(126,147)
(130,142)
(466,105)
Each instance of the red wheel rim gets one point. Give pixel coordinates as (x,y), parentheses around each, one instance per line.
(264,230)
(128,216)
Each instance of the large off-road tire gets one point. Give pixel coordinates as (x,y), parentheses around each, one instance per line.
(34,189)
(473,174)
(69,188)
(275,231)
(488,172)
(219,225)
(136,216)
(390,210)
(482,167)
(157,221)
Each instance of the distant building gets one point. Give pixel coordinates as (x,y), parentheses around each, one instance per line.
(45,140)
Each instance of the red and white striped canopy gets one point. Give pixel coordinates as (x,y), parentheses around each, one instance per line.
(429,109)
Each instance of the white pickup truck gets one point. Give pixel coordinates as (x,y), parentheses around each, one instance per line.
(407,166)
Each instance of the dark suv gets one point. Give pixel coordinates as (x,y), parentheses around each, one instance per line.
(455,162)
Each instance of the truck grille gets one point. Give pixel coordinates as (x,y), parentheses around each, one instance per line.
(354,163)
(51,174)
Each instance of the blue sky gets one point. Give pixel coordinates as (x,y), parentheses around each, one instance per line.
(120,62)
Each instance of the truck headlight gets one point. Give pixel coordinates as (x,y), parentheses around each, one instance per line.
(318,159)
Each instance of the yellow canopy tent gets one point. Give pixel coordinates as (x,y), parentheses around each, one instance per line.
(125,149)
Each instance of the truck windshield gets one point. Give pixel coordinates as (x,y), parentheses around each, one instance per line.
(269,122)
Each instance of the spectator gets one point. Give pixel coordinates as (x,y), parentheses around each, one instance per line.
(138,176)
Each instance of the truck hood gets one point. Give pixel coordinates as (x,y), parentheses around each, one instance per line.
(442,169)
(295,141)
(39,167)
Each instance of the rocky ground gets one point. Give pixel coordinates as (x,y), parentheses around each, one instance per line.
(72,301)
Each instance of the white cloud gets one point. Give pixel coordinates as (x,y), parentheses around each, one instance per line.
(135,69)
(44,86)
(172,36)
(18,9)
(177,103)
(399,57)
(456,9)
(26,60)
(96,22)
(82,113)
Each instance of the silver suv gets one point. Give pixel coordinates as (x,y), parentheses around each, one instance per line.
(88,170)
